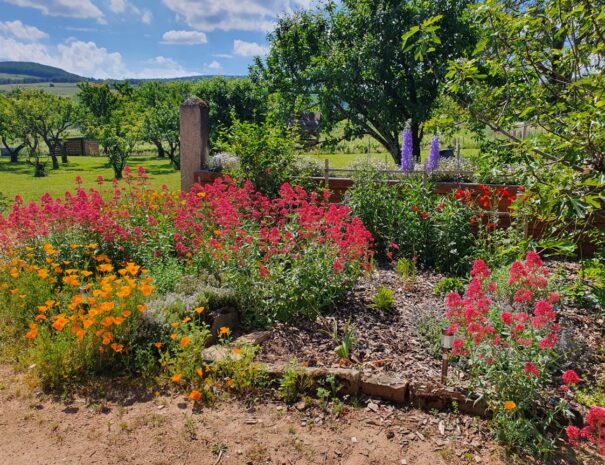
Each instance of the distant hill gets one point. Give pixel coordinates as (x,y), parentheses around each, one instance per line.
(24,72)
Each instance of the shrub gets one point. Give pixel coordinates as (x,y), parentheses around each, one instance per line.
(76,321)
(384,299)
(593,433)
(407,219)
(266,153)
(290,257)
(507,337)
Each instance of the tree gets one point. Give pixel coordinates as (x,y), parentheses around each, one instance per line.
(347,60)
(99,101)
(161,127)
(232,99)
(540,63)
(118,137)
(11,128)
(47,116)
(160,102)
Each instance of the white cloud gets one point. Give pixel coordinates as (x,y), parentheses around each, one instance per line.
(184,37)
(70,8)
(248,49)
(88,59)
(214,65)
(222,55)
(246,15)
(117,6)
(20,31)
(146,16)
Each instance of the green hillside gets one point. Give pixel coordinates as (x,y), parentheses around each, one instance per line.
(22,72)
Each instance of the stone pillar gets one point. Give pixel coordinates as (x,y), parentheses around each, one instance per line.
(194,128)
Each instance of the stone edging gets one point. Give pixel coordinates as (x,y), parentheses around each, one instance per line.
(422,395)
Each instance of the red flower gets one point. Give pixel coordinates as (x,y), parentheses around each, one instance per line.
(531,369)
(264,272)
(571,377)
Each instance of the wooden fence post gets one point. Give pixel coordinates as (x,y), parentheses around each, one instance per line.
(194,132)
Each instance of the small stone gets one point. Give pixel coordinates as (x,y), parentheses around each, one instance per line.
(301,406)
(354,440)
(373,407)
(390,435)
(404,462)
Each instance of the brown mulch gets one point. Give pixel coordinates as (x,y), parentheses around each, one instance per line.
(390,341)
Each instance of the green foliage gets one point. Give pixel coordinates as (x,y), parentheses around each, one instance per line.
(346,60)
(231,100)
(447,285)
(540,64)
(406,268)
(239,370)
(408,220)
(266,153)
(384,299)
(343,350)
(294,383)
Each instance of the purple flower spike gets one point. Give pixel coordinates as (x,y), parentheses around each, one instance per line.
(433,161)
(407,152)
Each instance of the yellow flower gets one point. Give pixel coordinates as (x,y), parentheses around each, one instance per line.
(176,378)
(43,273)
(509,405)
(186,319)
(173,336)
(105,268)
(124,292)
(200,372)
(199,310)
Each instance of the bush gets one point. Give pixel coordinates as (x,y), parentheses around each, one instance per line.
(507,335)
(286,258)
(408,220)
(266,153)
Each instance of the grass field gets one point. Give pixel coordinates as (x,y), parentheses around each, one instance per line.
(69,89)
(18,180)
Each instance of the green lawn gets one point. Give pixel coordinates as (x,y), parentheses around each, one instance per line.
(345,160)
(18,180)
(64,89)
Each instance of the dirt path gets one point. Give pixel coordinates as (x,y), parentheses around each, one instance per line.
(36,430)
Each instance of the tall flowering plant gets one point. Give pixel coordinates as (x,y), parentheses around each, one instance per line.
(432,162)
(407,151)
(507,336)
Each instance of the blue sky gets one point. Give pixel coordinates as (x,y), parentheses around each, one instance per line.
(140,38)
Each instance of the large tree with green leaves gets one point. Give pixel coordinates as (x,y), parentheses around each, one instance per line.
(541,63)
(160,103)
(12,131)
(347,60)
(46,116)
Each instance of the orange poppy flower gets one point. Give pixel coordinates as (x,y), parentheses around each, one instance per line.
(224,330)
(176,378)
(195,395)
(185,341)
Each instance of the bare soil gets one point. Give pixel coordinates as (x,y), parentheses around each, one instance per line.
(165,430)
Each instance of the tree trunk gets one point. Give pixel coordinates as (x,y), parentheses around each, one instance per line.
(13,152)
(161,151)
(417,139)
(63,153)
(395,152)
(53,155)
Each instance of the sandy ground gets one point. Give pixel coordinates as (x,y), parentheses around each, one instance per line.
(165,430)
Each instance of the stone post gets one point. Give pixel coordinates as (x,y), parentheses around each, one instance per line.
(194,129)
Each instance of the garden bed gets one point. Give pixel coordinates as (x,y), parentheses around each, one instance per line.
(392,342)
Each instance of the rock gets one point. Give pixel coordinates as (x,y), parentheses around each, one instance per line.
(225,317)
(301,406)
(354,440)
(390,435)
(386,387)
(256,338)
(215,353)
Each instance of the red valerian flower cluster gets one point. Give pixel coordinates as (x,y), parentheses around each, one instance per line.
(298,240)
(593,432)
(528,321)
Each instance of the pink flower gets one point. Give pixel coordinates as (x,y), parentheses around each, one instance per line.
(264,272)
(480,270)
(507,318)
(571,377)
(523,295)
(573,434)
